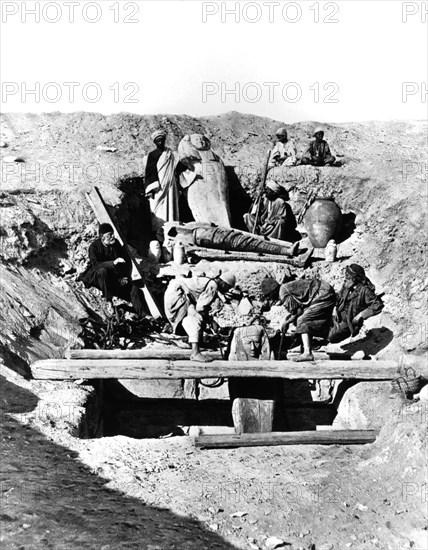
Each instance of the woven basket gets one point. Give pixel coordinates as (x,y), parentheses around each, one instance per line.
(408,382)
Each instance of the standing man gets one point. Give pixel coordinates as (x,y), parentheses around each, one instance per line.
(161,187)
(110,270)
(318,152)
(187,305)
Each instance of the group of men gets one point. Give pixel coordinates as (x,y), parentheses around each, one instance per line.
(275,218)
(312,305)
(316,154)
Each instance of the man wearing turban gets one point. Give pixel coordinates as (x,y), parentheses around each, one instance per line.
(187,304)
(162,167)
(276,219)
(309,303)
(318,153)
(357,301)
(284,152)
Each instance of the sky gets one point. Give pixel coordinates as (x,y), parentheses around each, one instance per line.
(292,61)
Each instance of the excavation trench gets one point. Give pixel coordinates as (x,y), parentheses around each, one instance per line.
(180,408)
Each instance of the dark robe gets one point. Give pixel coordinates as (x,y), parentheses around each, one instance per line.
(314,302)
(104,275)
(276,220)
(360,299)
(151,174)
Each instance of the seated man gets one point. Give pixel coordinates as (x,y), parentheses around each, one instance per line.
(110,270)
(284,151)
(309,303)
(318,152)
(356,302)
(276,219)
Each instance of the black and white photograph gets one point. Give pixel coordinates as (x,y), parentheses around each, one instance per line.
(213,275)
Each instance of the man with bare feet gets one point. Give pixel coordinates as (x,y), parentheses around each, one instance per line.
(187,304)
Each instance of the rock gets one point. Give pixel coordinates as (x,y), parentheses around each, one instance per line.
(13,159)
(3,144)
(423,394)
(238,514)
(366,406)
(106,149)
(274,542)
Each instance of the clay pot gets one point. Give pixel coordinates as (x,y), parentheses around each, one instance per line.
(323,221)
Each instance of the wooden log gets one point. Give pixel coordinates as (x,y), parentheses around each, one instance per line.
(253,415)
(72,369)
(100,210)
(327,437)
(225,255)
(171,353)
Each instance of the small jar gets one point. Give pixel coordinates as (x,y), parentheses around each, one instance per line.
(179,253)
(155,251)
(331,251)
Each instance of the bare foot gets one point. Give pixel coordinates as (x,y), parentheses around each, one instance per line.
(303,357)
(200,358)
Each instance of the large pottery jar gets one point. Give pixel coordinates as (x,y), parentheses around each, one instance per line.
(323,221)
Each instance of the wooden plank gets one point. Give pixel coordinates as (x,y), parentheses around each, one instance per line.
(253,415)
(72,369)
(225,255)
(100,210)
(170,352)
(327,437)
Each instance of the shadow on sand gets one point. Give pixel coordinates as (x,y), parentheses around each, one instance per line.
(51,500)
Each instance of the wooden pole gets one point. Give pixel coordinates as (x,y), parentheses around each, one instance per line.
(225,255)
(260,193)
(171,353)
(325,437)
(153,369)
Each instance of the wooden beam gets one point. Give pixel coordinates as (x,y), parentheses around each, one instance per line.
(172,353)
(99,207)
(253,415)
(151,369)
(325,437)
(224,255)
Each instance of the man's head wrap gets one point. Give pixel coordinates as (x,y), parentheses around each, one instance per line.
(318,129)
(356,272)
(158,134)
(281,131)
(274,186)
(358,275)
(105,228)
(228,278)
(268,285)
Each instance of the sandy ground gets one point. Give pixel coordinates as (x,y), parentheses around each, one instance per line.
(60,491)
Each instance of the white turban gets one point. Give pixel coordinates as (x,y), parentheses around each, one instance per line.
(273,186)
(157,134)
